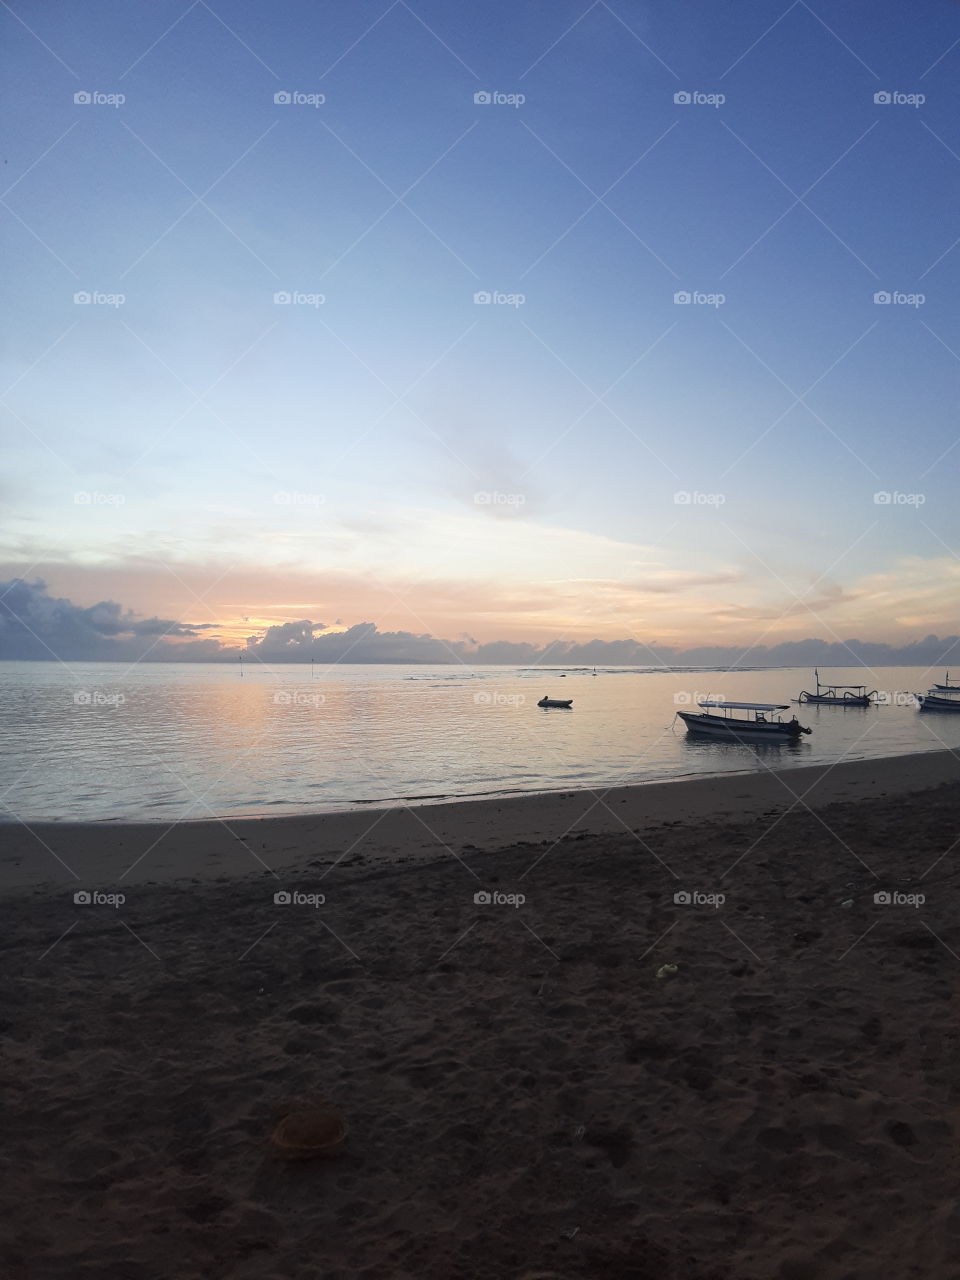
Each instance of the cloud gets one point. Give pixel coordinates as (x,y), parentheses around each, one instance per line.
(36,625)
(295,642)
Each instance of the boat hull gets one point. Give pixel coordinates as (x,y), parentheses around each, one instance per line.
(930,702)
(704,726)
(835,702)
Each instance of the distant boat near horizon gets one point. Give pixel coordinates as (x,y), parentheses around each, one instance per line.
(948,687)
(560,703)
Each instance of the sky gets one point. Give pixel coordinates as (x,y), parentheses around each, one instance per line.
(517,322)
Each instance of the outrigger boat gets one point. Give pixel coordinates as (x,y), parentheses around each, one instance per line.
(934,701)
(556,702)
(838,695)
(948,687)
(733,728)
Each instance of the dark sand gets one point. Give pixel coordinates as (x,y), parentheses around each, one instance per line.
(525,1096)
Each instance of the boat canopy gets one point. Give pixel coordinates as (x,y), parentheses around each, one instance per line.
(744,706)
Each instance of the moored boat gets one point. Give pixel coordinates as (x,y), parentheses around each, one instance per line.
(763,722)
(566,703)
(838,695)
(948,687)
(934,701)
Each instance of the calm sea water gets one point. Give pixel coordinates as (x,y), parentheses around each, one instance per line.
(167,741)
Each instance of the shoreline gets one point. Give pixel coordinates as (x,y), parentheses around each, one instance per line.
(103,854)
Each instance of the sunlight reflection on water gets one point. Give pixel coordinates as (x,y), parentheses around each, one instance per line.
(167,741)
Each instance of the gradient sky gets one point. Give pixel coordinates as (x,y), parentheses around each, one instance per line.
(250,463)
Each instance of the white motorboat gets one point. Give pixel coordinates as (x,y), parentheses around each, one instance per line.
(763,721)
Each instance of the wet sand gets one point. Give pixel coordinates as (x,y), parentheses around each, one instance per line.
(88,855)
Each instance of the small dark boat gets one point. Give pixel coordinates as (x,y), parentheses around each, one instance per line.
(948,687)
(838,695)
(556,702)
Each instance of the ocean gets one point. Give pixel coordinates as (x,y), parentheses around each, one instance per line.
(167,741)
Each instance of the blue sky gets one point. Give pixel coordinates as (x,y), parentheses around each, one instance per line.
(585,409)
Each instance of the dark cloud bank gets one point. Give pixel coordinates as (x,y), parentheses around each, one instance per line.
(37,626)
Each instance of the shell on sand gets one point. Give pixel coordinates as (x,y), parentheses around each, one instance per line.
(307,1130)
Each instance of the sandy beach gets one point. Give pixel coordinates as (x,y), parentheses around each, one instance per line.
(678,1036)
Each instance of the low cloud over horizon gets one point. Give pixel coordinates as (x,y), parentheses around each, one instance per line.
(35,626)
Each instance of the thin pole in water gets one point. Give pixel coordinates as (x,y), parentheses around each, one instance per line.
(241,666)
